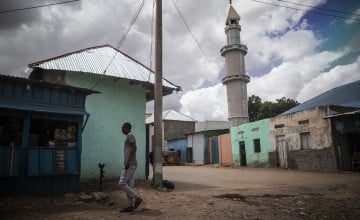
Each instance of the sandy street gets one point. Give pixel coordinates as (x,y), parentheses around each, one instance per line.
(253,179)
(207,192)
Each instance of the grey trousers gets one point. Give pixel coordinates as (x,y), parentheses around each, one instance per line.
(126,183)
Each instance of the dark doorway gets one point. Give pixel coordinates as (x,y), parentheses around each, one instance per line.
(242,153)
(350,149)
(189,155)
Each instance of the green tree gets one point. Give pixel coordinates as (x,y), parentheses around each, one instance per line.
(268,109)
(254,105)
(260,110)
(285,104)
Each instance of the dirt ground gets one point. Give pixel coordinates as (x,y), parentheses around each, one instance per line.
(206,192)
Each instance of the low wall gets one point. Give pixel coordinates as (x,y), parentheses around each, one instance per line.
(273,159)
(313,159)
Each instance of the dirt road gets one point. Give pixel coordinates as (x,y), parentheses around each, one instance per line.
(254,179)
(204,192)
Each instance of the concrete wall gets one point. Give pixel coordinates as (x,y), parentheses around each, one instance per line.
(317,159)
(177,129)
(248,133)
(225,151)
(273,159)
(103,141)
(319,128)
(172,130)
(320,155)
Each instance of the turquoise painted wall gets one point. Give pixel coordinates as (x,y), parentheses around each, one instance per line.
(102,140)
(247,133)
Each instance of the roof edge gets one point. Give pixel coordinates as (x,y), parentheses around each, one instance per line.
(33,65)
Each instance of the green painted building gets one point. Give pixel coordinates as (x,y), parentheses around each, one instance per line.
(125,86)
(103,141)
(250,144)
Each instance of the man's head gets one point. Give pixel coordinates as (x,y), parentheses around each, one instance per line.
(126,128)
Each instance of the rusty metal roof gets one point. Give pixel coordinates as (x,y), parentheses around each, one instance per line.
(97,59)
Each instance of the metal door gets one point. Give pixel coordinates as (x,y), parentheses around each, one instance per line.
(242,153)
(215,150)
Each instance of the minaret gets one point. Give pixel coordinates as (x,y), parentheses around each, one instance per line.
(236,78)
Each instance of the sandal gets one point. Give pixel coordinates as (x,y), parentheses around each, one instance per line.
(127,209)
(138,201)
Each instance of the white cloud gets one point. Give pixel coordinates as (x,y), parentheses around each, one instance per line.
(353,18)
(300,80)
(281,45)
(337,76)
(206,103)
(289,77)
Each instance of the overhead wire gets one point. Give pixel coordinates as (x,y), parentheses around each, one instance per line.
(121,41)
(193,36)
(299,9)
(129,26)
(38,6)
(321,8)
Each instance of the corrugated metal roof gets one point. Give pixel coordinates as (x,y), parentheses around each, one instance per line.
(173,115)
(96,59)
(170,115)
(347,95)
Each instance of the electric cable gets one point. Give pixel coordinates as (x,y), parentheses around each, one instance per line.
(132,21)
(319,13)
(38,6)
(121,41)
(320,8)
(192,35)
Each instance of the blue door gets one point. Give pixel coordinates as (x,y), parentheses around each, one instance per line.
(215,150)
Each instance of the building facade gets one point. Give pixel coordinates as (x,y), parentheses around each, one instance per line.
(125,85)
(320,134)
(251,144)
(41,126)
(175,127)
(204,142)
(225,150)
(303,140)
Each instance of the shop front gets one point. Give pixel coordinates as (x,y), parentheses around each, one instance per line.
(40,136)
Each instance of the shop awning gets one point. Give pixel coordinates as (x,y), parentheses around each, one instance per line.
(36,107)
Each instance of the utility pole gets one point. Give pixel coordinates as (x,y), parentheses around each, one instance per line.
(158,135)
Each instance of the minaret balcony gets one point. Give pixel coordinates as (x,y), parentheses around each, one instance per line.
(236,27)
(243,78)
(240,47)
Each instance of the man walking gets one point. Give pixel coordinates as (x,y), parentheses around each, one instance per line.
(126,181)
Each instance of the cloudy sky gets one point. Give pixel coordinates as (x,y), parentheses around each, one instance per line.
(293,53)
